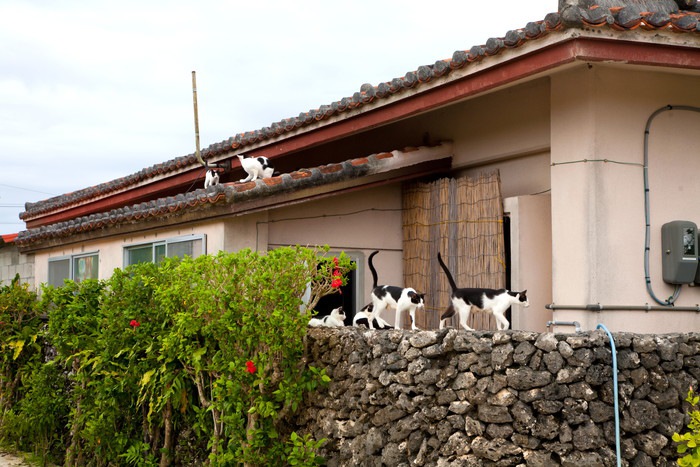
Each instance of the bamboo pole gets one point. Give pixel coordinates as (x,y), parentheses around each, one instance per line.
(197,152)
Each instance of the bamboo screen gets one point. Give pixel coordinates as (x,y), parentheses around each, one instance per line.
(462,219)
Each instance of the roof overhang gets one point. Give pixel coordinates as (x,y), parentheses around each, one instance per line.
(236,199)
(510,66)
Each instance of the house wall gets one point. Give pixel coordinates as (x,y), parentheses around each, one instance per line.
(531,259)
(356,223)
(12,262)
(598,221)
(111,250)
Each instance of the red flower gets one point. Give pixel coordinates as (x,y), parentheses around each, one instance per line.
(250,367)
(134,324)
(336,272)
(336,283)
(335,260)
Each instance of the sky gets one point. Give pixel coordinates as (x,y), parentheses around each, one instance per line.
(94,91)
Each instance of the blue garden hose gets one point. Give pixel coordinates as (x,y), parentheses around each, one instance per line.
(617,411)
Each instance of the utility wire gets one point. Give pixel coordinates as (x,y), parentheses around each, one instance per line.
(27,189)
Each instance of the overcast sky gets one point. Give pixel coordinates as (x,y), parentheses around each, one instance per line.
(93,91)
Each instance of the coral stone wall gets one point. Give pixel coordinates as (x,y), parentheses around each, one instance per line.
(497,398)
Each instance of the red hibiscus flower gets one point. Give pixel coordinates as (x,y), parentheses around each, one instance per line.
(134,324)
(250,367)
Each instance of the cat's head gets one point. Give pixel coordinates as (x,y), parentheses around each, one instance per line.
(368,308)
(522,298)
(338,313)
(417,298)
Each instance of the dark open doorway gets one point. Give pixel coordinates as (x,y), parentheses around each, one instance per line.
(346,298)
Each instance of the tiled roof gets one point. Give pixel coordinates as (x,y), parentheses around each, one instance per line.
(8,238)
(630,17)
(236,194)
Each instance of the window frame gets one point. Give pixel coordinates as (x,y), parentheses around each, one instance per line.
(166,242)
(71,268)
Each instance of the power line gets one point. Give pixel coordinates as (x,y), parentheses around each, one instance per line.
(27,189)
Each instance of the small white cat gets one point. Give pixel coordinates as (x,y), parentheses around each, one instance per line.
(495,301)
(255,167)
(401,299)
(363,317)
(211,179)
(335,320)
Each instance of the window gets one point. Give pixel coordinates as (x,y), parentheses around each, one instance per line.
(75,267)
(154,252)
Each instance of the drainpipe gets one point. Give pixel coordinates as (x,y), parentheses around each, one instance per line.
(599,307)
(576,324)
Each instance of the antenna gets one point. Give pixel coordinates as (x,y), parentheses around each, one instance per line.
(197,153)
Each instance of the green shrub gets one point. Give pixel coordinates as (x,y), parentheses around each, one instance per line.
(158,365)
(689,442)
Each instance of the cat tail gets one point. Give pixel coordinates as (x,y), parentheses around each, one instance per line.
(447,271)
(371,268)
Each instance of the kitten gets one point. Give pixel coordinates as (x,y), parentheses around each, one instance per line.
(211,179)
(365,314)
(335,320)
(401,299)
(255,167)
(495,301)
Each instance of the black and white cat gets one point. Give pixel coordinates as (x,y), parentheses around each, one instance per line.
(401,299)
(335,320)
(211,178)
(363,316)
(255,167)
(495,301)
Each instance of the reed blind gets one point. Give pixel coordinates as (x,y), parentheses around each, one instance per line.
(461,218)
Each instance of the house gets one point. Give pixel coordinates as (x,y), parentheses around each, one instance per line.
(534,161)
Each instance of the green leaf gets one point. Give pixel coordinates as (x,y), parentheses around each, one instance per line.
(17,346)
(147,377)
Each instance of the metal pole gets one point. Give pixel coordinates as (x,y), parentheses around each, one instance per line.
(197,153)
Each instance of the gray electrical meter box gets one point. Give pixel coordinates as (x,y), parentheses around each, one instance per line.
(680,252)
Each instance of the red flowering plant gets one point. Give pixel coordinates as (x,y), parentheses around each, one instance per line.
(330,277)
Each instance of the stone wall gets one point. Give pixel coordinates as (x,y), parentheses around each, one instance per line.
(501,398)
(13,262)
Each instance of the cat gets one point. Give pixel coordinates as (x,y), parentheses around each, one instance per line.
(494,301)
(335,320)
(363,316)
(256,167)
(401,299)
(211,179)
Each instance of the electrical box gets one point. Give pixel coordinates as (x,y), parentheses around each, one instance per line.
(679,241)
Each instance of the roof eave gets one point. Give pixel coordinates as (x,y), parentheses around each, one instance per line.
(528,61)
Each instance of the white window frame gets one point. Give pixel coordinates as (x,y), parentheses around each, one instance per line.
(166,242)
(71,261)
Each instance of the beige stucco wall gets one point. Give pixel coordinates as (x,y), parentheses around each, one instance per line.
(600,112)
(531,258)
(356,223)
(111,250)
